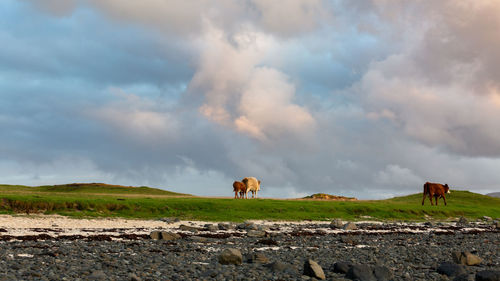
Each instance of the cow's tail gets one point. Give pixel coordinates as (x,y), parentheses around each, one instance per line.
(426,190)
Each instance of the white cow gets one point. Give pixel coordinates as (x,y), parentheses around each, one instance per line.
(253,185)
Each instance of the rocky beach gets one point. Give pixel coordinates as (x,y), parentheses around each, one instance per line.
(58,248)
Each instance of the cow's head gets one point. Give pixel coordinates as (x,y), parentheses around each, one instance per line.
(446,188)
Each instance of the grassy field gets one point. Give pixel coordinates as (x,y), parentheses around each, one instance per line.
(99,200)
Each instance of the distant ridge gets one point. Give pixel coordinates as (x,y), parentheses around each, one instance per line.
(494,194)
(91,188)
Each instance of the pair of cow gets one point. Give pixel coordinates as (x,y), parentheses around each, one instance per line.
(249,184)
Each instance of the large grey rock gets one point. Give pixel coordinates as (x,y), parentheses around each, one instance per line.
(451,269)
(466,258)
(361,272)
(313,269)
(168,236)
(350,226)
(336,224)
(247,226)
(488,275)
(230,256)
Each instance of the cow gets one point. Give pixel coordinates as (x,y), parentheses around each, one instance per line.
(253,185)
(435,190)
(239,189)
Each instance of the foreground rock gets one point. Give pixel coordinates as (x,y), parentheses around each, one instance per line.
(451,269)
(313,269)
(488,275)
(230,256)
(466,258)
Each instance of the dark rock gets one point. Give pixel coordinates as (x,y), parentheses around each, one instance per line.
(382,273)
(313,269)
(211,228)
(488,275)
(230,256)
(462,222)
(247,226)
(451,269)
(225,226)
(184,227)
(342,267)
(361,272)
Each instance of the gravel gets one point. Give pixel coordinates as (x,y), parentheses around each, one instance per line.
(389,252)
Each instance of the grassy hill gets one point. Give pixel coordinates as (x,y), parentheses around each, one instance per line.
(87,188)
(99,200)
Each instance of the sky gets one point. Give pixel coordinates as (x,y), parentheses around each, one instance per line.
(369,99)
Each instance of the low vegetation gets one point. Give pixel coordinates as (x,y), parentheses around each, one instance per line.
(99,200)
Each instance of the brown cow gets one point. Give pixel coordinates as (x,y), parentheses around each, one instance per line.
(239,187)
(435,190)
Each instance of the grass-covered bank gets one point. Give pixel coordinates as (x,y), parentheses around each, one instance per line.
(79,203)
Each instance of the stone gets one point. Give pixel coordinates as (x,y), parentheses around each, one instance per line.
(155,235)
(451,269)
(382,273)
(350,226)
(496,224)
(313,269)
(168,236)
(230,256)
(256,233)
(184,227)
(247,226)
(361,272)
(488,275)
(486,218)
(336,224)
(462,222)
(342,267)
(258,258)
(466,258)
(225,226)
(211,228)
(134,277)
(98,275)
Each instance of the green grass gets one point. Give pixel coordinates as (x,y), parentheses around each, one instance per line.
(147,203)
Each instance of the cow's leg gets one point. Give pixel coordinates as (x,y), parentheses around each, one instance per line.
(437,199)
(236,194)
(444,198)
(423,199)
(256,193)
(430,198)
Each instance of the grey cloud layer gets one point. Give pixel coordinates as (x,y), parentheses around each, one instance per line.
(368,100)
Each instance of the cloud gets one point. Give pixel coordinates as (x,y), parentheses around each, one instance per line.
(366,99)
